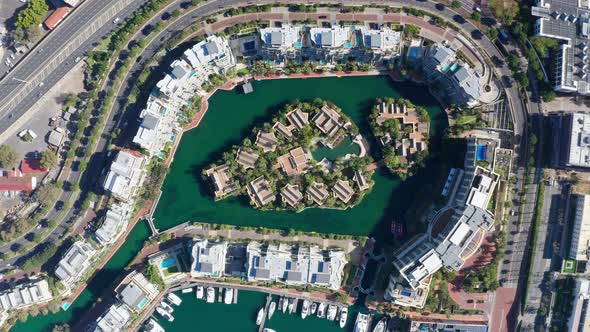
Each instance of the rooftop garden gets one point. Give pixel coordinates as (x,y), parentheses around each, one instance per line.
(274,166)
(402,129)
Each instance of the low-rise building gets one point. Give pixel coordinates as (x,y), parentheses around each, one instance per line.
(328,121)
(334,37)
(208,258)
(223,184)
(361,181)
(298,118)
(56,17)
(113,320)
(295,265)
(266,141)
(281,38)
(24,295)
(157,126)
(284,130)
(135,291)
(260,191)
(578,145)
(446,325)
(14,181)
(291,195)
(246,158)
(318,193)
(343,191)
(296,162)
(75,262)
(114,223)
(126,175)
(384,39)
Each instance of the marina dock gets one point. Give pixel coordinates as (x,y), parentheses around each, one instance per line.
(266,306)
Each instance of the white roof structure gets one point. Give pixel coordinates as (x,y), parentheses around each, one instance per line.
(208,258)
(114,223)
(75,262)
(384,39)
(580,316)
(33,293)
(295,265)
(168,85)
(581,232)
(579,145)
(135,291)
(149,129)
(126,175)
(333,37)
(113,320)
(213,52)
(282,38)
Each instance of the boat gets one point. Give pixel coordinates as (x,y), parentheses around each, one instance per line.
(380,327)
(305,309)
(314,308)
(271,309)
(266,329)
(332,311)
(187,290)
(174,299)
(260,316)
(285,305)
(165,314)
(153,326)
(280,305)
(229,296)
(166,307)
(291,304)
(343,317)
(322,310)
(200,292)
(210,294)
(360,325)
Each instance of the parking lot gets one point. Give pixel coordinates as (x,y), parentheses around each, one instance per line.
(8,8)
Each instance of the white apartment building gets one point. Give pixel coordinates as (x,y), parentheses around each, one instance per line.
(208,258)
(283,38)
(126,175)
(75,262)
(113,320)
(333,37)
(382,40)
(25,295)
(158,127)
(114,224)
(579,320)
(578,152)
(581,232)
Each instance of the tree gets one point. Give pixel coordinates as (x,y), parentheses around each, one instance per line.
(476,16)
(46,194)
(48,160)
(154,276)
(456,4)
(33,14)
(8,156)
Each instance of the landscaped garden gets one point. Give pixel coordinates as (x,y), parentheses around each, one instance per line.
(276,160)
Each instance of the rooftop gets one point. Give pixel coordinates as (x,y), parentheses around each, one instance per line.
(75,262)
(208,258)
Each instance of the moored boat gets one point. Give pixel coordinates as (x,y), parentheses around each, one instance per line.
(164,314)
(200,292)
(174,299)
(322,310)
(380,327)
(285,304)
(266,329)
(314,308)
(360,325)
(210,294)
(305,309)
(343,317)
(187,290)
(271,309)
(260,316)
(152,326)
(229,296)
(166,307)
(291,305)
(332,311)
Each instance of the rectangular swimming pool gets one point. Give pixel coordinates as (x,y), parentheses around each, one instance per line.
(167,262)
(481,152)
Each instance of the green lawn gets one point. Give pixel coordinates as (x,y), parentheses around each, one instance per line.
(569,266)
(466,119)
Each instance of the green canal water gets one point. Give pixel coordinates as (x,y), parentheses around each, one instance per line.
(232,115)
(242,316)
(187,197)
(347,146)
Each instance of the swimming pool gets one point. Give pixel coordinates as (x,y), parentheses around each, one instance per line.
(167,262)
(481,152)
(405,293)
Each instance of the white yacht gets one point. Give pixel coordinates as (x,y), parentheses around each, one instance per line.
(200,292)
(322,310)
(166,306)
(314,308)
(305,309)
(153,326)
(210,294)
(165,314)
(361,323)
(271,309)
(229,296)
(187,290)
(285,304)
(291,305)
(380,327)
(174,299)
(343,317)
(266,329)
(260,316)
(332,312)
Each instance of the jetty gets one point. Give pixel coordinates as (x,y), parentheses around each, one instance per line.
(265,314)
